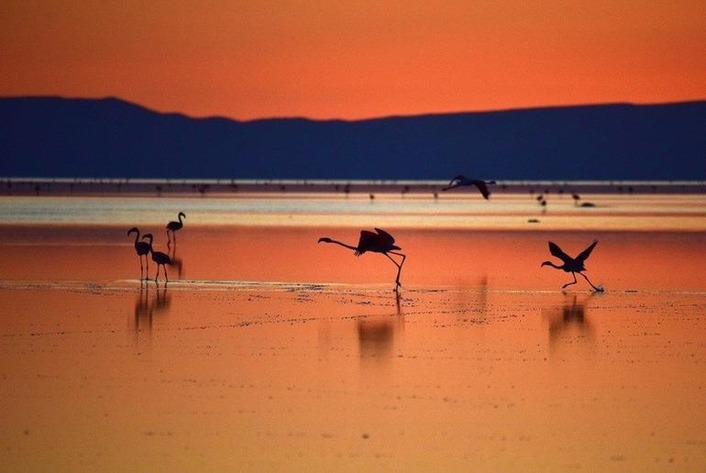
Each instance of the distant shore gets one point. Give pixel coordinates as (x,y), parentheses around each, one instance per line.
(112,186)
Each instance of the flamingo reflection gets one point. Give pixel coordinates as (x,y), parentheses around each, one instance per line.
(376,335)
(161,301)
(142,309)
(570,323)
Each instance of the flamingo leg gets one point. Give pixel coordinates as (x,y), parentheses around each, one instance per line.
(166,278)
(141,268)
(399,267)
(570,283)
(589,282)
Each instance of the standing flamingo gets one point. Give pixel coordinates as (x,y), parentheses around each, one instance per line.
(380,242)
(464,181)
(142,249)
(162,259)
(572,265)
(173,227)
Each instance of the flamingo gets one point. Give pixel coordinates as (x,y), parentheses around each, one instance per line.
(162,259)
(142,249)
(464,181)
(572,265)
(379,242)
(173,227)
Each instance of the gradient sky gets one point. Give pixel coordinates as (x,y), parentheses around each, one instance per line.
(354,59)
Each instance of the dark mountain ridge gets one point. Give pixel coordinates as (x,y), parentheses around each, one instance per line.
(59,137)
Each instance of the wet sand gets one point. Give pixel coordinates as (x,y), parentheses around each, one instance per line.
(269,352)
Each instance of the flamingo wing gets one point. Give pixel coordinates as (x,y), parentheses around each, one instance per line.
(585,253)
(556,251)
(367,240)
(384,236)
(482,187)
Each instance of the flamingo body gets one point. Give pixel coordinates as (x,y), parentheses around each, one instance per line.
(141,248)
(162,259)
(377,242)
(173,226)
(572,265)
(461,180)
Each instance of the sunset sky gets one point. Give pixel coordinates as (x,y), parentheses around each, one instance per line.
(354,59)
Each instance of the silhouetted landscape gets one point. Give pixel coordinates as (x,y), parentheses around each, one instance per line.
(58,137)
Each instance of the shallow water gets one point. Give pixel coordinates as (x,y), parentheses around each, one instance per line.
(267,351)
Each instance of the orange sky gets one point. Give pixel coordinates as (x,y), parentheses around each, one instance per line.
(354,59)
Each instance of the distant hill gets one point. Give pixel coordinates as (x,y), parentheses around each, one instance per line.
(57,137)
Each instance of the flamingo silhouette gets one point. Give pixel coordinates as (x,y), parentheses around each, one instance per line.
(464,181)
(142,249)
(173,227)
(379,242)
(572,265)
(162,259)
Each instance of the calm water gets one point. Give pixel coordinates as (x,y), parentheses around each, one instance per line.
(269,352)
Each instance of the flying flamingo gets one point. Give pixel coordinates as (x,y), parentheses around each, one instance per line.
(142,249)
(162,259)
(572,265)
(173,227)
(380,242)
(464,181)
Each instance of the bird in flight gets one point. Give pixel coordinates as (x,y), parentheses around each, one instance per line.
(572,265)
(464,181)
(379,242)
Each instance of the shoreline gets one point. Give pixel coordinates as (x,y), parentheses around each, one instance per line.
(119,186)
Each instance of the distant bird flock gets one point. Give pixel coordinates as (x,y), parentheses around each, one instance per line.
(378,241)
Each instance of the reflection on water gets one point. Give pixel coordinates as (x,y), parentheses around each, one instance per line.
(160,302)
(142,313)
(376,336)
(178,265)
(570,324)
(472,305)
(150,302)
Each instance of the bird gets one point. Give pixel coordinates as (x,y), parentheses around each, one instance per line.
(379,242)
(162,259)
(173,227)
(464,181)
(572,265)
(577,197)
(142,249)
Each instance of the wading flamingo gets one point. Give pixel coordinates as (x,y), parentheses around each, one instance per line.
(142,249)
(572,265)
(173,227)
(162,259)
(379,242)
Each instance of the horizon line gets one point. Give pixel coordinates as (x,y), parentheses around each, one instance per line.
(372,118)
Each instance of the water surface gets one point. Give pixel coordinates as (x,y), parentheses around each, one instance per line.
(268,351)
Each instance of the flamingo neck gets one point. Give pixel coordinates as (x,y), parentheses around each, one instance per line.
(345,245)
(549,263)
